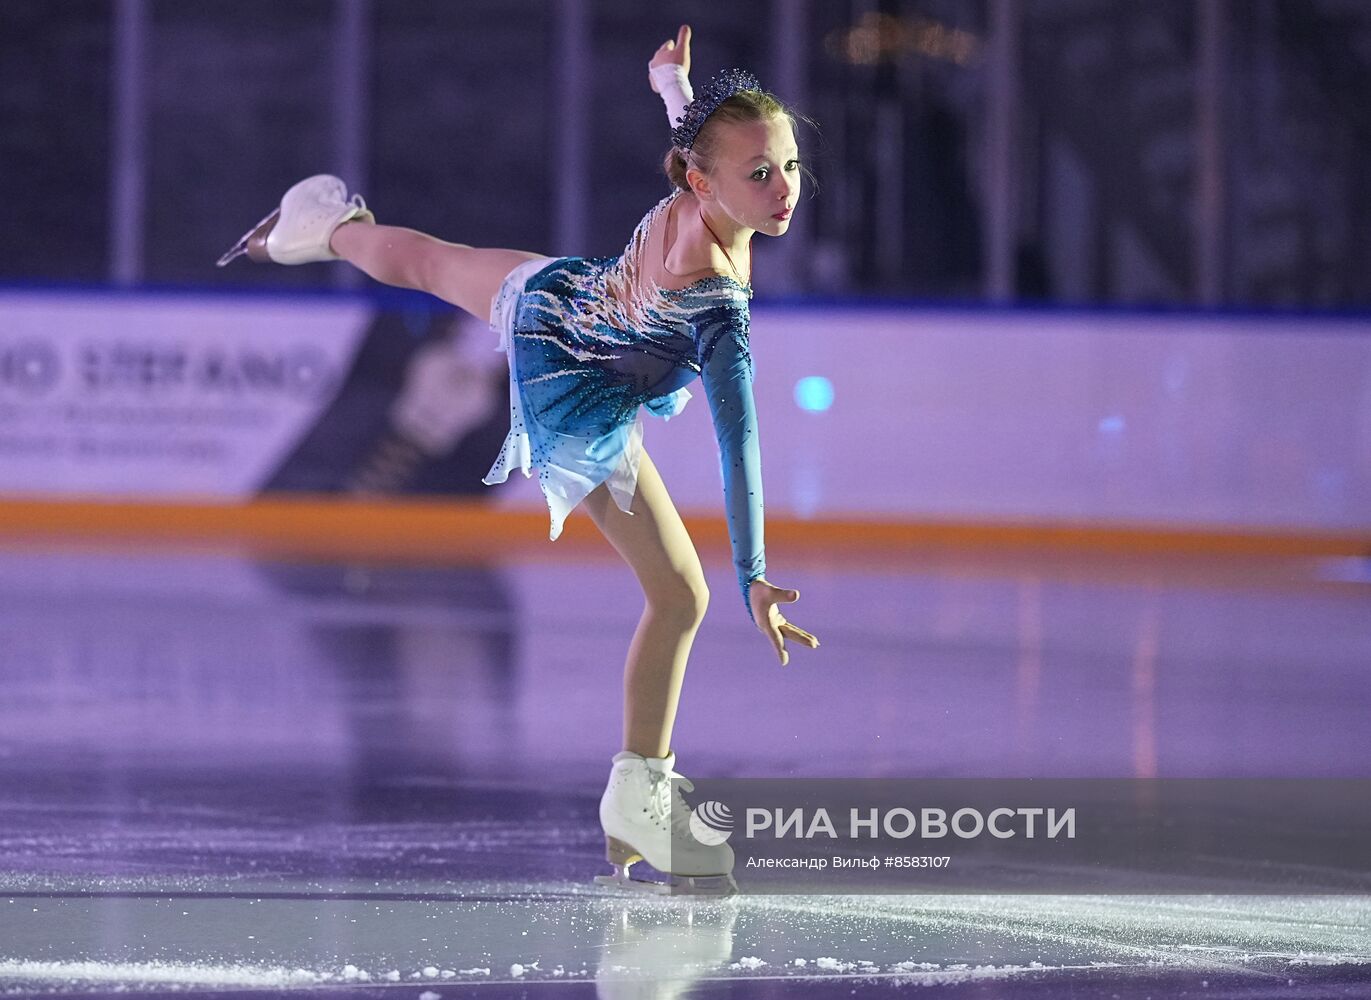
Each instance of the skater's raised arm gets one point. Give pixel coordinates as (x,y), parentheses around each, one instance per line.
(668,73)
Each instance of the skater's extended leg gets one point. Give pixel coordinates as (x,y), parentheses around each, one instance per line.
(657,547)
(466,276)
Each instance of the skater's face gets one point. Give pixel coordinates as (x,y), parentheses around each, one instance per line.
(756,175)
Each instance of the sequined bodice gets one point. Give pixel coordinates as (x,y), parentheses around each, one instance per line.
(608,312)
(595,339)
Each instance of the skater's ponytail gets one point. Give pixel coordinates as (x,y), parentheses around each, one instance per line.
(743,108)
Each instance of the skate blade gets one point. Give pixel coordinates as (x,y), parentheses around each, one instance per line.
(700,885)
(637,886)
(704,885)
(241,248)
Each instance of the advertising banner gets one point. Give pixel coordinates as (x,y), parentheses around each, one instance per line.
(200,398)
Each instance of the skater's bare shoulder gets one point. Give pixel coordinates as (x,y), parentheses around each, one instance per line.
(685,250)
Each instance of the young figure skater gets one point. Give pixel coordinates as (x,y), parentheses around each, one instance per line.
(590,341)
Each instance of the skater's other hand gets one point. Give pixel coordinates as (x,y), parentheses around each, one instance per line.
(764,598)
(677,51)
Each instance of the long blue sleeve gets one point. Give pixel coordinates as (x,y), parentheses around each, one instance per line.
(721,335)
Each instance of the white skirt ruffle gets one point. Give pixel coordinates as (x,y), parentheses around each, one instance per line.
(569,466)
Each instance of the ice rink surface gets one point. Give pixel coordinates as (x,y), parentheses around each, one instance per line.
(242,775)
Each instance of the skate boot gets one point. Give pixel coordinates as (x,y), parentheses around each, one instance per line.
(641,825)
(298,230)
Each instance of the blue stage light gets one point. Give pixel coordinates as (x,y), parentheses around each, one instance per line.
(814,393)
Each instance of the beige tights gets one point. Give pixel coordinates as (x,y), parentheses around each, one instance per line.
(654,543)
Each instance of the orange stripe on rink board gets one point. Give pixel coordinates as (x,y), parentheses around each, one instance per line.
(445,529)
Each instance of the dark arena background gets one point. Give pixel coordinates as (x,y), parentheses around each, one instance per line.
(1063,373)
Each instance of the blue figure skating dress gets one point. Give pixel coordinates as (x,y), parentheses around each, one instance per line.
(591,342)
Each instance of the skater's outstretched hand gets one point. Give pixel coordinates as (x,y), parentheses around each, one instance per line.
(764,598)
(677,51)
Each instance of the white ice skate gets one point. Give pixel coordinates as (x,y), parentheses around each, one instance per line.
(298,230)
(640,825)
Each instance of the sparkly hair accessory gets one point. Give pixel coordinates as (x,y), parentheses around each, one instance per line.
(711,95)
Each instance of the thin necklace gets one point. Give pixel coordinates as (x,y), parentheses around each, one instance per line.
(727,255)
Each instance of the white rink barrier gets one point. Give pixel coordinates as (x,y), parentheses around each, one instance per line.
(867,413)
